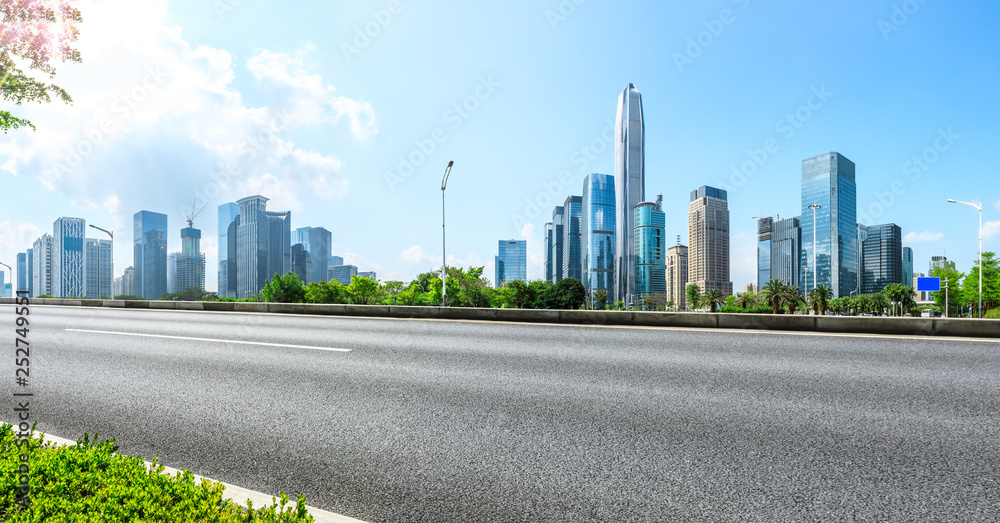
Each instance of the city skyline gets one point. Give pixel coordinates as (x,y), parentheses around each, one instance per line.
(331,169)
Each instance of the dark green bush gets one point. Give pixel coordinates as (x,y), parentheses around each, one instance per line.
(91,482)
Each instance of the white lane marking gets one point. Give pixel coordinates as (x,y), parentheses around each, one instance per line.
(230,492)
(210,340)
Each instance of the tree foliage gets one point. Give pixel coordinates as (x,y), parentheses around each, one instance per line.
(284,289)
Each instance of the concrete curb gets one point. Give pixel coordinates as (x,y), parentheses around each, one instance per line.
(961,327)
(238,495)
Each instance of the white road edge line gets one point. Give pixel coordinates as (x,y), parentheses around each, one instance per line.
(210,340)
(234,493)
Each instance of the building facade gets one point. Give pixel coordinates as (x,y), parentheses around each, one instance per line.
(311,249)
(511,262)
(69,261)
(630,186)
(99,269)
(549,232)
(172,271)
(573,238)
(650,252)
(190,261)
(828,180)
(41,282)
(882,255)
(149,237)
(371,275)
(229,215)
(677,276)
(907,266)
(708,235)
(786,248)
(558,230)
(765,227)
(342,273)
(597,223)
(263,245)
(22,272)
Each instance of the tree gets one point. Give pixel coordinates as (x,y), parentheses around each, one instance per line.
(364,291)
(792,298)
(746,298)
(600,299)
(193,293)
(393,289)
(326,292)
(693,292)
(569,294)
(409,295)
(32,32)
(713,298)
(991,283)
(954,278)
(284,289)
(819,298)
(773,293)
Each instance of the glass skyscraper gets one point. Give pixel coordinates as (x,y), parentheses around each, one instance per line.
(149,237)
(511,262)
(908,266)
(229,214)
(828,181)
(573,238)
(650,251)
(99,275)
(262,244)
(41,282)
(598,225)
(630,186)
(311,249)
(69,261)
(558,215)
(765,228)
(22,271)
(190,261)
(786,245)
(549,232)
(882,255)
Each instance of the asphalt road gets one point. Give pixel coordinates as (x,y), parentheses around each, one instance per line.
(469,421)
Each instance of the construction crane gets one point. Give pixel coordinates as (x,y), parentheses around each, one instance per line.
(195,210)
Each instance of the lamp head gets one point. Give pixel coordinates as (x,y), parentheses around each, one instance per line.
(952,201)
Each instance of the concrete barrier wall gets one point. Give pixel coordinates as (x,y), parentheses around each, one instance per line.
(782,322)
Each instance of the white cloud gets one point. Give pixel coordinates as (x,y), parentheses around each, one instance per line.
(926,236)
(743,266)
(991,230)
(536,251)
(363,265)
(361,115)
(281,196)
(416,256)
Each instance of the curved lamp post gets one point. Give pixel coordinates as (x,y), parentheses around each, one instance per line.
(444,256)
(980,209)
(11,269)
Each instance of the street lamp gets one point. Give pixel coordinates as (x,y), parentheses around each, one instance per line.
(444,256)
(112,235)
(814,207)
(11,269)
(980,209)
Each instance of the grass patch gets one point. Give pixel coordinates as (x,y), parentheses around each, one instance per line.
(91,482)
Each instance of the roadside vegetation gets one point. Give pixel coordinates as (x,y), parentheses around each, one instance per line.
(92,482)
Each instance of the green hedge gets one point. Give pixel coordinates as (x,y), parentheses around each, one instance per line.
(91,482)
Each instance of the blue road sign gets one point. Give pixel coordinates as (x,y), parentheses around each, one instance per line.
(929,284)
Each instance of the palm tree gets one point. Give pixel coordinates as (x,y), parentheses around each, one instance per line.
(713,298)
(693,296)
(793,297)
(893,292)
(880,301)
(772,293)
(820,299)
(906,301)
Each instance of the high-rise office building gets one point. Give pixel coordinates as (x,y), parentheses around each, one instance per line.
(650,251)
(828,181)
(597,225)
(939,262)
(371,275)
(31,273)
(69,262)
(99,269)
(549,231)
(765,227)
(3,284)
(907,266)
(311,248)
(190,261)
(558,240)
(263,245)
(22,272)
(573,238)
(511,262)
(677,276)
(882,253)
(708,235)
(172,272)
(630,185)
(229,215)
(128,281)
(149,243)
(41,283)
(336,260)
(342,273)
(786,246)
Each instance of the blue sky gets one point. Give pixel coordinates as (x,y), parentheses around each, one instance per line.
(314,104)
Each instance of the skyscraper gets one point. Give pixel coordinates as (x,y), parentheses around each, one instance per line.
(342,273)
(883,258)
(630,185)
(31,273)
(549,232)
(511,261)
(828,181)
(149,237)
(708,234)
(558,214)
(99,273)
(229,214)
(22,271)
(677,276)
(190,261)
(311,249)
(573,239)
(650,251)
(263,245)
(69,262)
(908,266)
(172,272)
(786,245)
(939,262)
(765,228)
(41,283)
(598,229)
